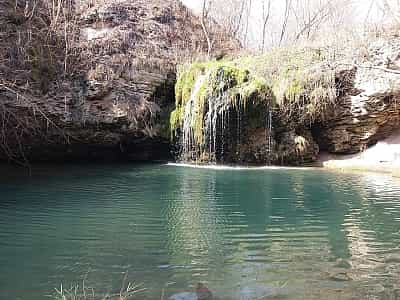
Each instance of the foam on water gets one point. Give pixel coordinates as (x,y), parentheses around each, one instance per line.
(226,167)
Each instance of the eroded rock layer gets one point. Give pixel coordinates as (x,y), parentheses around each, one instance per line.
(95,80)
(369,110)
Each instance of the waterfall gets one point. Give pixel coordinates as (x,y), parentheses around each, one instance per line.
(269,132)
(189,146)
(213,120)
(239,130)
(214,114)
(224,123)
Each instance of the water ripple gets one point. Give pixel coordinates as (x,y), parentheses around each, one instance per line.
(300,233)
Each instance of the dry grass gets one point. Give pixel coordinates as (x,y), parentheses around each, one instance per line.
(128,291)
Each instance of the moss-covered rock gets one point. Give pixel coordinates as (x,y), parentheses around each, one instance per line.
(225,110)
(211,98)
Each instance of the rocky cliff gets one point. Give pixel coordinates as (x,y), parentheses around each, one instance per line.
(288,106)
(368,111)
(94,80)
(98,81)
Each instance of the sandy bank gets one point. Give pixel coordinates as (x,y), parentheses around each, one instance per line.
(382,157)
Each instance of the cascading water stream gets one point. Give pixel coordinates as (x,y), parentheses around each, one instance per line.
(215,121)
(238,131)
(269,133)
(188,139)
(215,114)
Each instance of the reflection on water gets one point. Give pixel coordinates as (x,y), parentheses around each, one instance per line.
(288,234)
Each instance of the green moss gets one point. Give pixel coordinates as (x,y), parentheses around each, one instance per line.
(185,83)
(220,77)
(294,91)
(202,95)
(254,88)
(175,119)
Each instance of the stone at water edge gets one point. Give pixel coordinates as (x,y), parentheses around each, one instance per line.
(203,293)
(184,296)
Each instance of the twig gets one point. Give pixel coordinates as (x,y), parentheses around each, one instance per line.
(18,94)
(372,67)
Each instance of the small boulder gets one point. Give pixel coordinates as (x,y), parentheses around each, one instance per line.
(339,276)
(203,293)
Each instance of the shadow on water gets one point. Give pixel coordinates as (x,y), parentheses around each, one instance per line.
(293,234)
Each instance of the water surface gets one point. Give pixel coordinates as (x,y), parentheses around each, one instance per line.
(288,234)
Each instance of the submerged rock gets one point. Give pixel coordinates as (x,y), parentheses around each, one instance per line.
(339,276)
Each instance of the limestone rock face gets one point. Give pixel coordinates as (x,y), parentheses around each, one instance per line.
(369,111)
(108,89)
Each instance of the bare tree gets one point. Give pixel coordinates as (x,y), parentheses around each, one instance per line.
(266,13)
(205,13)
(237,20)
(234,16)
(315,15)
(248,16)
(392,9)
(279,22)
(288,4)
